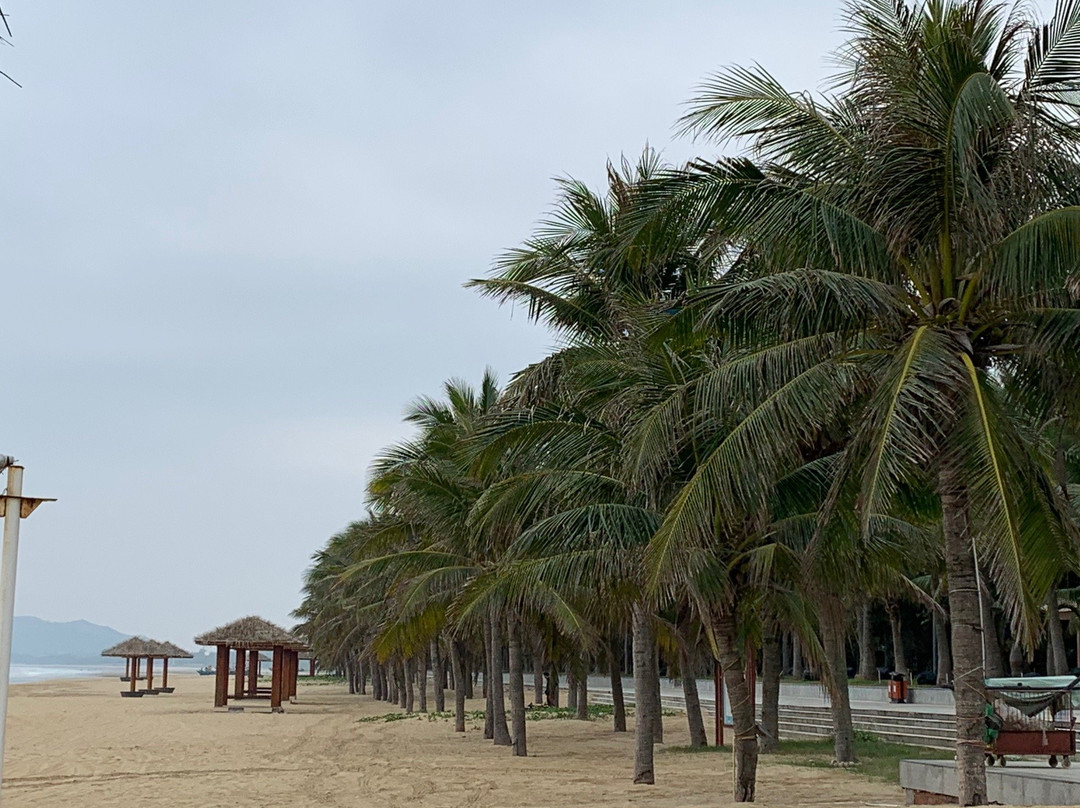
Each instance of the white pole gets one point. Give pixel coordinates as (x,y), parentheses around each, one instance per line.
(8,558)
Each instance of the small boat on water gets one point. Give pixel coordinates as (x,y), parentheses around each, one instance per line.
(206,670)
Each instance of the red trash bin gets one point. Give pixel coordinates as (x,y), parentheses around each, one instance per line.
(898,688)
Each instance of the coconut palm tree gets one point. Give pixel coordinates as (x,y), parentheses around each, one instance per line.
(426,487)
(602,293)
(902,246)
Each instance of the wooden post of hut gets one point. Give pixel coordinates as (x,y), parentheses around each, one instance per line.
(253,672)
(284,686)
(241,656)
(288,694)
(149,674)
(138,667)
(164,673)
(276,679)
(132,679)
(221,690)
(294,672)
(127,669)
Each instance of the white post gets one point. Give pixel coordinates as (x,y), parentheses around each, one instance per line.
(8,558)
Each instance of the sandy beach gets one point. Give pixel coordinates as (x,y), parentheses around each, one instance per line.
(77,743)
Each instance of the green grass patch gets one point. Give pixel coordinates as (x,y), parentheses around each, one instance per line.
(386,718)
(877,760)
(696,750)
(320,679)
(596,712)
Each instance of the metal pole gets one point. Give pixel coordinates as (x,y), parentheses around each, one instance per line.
(8,559)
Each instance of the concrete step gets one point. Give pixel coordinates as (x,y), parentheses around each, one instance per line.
(807,722)
(902,716)
(898,722)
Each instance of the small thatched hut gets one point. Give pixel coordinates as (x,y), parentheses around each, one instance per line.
(247,636)
(171,652)
(132,649)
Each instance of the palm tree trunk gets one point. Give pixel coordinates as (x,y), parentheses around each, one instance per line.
(438,678)
(994,659)
(688,674)
(644,670)
(899,657)
(833,638)
(349,675)
(944,655)
(517,685)
(654,695)
(553,685)
(583,690)
(489,702)
(771,664)
(571,689)
(498,700)
(457,660)
(1016,659)
(376,683)
(969,693)
(467,672)
(797,668)
(867,668)
(1057,663)
(538,674)
(409,702)
(742,709)
(421,678)
(363,668)
(617,701)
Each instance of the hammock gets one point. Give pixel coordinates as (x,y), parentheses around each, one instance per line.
(1032,703)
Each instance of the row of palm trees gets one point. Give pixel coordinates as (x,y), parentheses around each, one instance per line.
(845,361)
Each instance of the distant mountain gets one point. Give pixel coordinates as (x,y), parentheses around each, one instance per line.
(37,641)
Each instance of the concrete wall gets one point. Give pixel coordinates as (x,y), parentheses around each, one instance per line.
(804,691)
(1029,784)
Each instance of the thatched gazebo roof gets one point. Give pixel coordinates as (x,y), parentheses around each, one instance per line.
(251,633)
(175,651)
(155,649)
(131,647)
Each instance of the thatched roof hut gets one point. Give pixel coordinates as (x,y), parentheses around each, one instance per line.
(251,632)
(175,651)
(156,649)
(246,637)
(131,647)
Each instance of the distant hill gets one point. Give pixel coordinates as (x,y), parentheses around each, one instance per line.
(37,641)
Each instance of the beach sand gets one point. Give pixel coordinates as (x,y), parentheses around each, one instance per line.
(77,743)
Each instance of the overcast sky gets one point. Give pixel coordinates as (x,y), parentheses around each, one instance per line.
(234,238)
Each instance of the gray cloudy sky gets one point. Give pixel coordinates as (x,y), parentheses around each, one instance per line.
(234,238)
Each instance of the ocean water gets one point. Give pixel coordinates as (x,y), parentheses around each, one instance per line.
(21,674)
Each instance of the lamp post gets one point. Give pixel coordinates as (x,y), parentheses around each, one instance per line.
(14,507)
